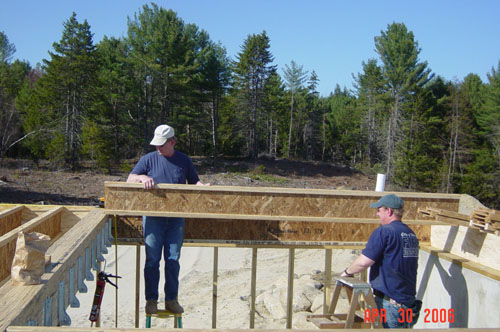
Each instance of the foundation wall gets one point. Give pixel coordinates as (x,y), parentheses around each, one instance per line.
(444,285)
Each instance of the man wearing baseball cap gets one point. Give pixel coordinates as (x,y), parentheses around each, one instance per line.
(392,254)
(165,165)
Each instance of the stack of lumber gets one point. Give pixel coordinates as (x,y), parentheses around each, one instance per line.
(450,217)
(486,219)
(483,219)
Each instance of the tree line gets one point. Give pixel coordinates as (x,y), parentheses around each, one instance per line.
(101,102)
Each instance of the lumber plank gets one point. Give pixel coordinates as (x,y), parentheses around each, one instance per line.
(281,190)
(22,303)
(445,216)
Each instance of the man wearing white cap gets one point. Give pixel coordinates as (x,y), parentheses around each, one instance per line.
(392,254)
(165,165)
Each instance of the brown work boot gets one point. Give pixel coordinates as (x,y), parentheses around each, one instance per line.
(173,306)
(151,307)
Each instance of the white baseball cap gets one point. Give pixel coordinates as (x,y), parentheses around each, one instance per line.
(162,133)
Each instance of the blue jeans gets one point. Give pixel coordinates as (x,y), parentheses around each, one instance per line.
(162,234)
(396,318)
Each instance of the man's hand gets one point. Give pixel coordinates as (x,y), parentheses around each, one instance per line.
(144,179)
(199,183)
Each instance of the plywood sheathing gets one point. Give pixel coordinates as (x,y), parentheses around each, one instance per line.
(10,219)
(48,223)
(256,213)
(23,303)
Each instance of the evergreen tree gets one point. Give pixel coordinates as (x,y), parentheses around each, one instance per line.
(214,79)
(251,71)
(107,130)
(488,117)
(295,77)
(67,91)
(482,173)
(13,77)
(420,153)
(275,117)
(344,127)
(164,53)
(313,140)
(403,74)
(7,49)
(371,93)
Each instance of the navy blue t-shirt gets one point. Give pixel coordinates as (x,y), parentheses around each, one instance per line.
(176,169)
(394,248)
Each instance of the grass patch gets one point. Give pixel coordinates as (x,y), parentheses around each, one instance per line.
(268,178)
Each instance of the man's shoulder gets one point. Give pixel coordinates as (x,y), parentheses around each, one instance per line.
(150,155)
(394,227)
(398,227)
(181,156)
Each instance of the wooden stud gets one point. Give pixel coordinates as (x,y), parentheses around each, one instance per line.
(327,280)
(137,282)
(214,287)
(253,286)
(289,296)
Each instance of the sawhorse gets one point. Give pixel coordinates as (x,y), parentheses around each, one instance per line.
(165,314)
(355,318)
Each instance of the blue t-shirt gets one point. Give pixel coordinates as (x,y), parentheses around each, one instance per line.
(394,248)
(176,169)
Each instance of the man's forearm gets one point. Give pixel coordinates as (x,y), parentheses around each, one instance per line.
(360,264)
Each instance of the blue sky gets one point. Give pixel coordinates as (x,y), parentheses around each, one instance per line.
(457,37)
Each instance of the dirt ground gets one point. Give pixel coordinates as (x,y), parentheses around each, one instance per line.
(22,182)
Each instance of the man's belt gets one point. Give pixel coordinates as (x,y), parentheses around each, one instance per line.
(385,297)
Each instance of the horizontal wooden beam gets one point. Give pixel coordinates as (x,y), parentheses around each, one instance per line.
(281,190)
(261,201)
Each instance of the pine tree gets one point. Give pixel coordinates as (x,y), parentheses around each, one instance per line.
(67,90)
(371,92)
(12,79)
(251,71)
(214,80)
(313,141)
(403,74)
(295,77)
(164,54)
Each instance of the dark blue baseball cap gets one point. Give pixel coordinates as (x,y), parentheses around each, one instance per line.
(391,201)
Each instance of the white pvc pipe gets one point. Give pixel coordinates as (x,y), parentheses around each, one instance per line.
(380,182)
